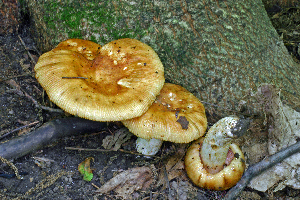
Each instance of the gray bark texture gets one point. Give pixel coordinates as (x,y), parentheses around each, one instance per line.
(218,50)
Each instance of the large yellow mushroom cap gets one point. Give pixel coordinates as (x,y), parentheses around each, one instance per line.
(116,82)
(175,116)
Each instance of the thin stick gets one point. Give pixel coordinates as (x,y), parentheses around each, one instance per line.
(50,109)
(107,150)
(260,167)
(17,129)
(29,54)
(74,77)
(167,181)
(11,77)
(95,186)
(42,107)
(14,84)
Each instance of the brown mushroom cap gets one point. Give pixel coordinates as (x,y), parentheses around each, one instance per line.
(118,81)
(222,180)
(175,116)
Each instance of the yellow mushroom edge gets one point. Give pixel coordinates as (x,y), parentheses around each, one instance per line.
(223,180)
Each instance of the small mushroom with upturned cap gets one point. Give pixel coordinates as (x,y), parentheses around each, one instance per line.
(115,82)
(175,116)
(214,162)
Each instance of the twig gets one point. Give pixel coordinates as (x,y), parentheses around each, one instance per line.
(17,129)
(14,84)
(74,77)
(11,77)
(260,167)
(95,186)
(42,107)
(50,109)
(167,181)
(29,54)
(107,150)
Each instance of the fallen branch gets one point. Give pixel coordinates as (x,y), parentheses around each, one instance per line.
(260,167)
(47,134)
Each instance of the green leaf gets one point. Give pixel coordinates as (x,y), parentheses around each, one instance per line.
(85,170)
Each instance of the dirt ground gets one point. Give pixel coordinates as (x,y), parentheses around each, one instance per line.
(52,172)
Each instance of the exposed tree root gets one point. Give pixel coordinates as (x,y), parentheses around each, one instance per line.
(47,134)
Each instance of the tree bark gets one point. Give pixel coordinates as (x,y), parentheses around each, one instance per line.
(218,50)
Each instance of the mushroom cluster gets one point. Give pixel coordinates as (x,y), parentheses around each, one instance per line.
(119,82)
(124,81)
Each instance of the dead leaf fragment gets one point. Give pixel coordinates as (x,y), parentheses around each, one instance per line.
(183,122)
(114,142)
(125,183)
(174,168)
(42,162)
(283,130)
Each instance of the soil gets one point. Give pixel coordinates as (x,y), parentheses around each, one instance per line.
(52,172)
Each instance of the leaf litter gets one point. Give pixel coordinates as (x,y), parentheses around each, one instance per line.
(282,130)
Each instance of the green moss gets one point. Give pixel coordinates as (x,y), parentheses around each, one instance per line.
(93,39)
(84,20)
(75,34)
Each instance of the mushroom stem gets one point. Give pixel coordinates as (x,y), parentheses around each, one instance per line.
(213,156)
(148,146)
(216,144)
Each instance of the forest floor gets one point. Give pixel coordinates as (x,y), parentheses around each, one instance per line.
(52,172)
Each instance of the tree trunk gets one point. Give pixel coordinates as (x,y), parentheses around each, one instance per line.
(218,50)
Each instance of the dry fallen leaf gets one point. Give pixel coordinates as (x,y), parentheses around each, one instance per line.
(283,130)
(183,190)
(42,162)
(125,183)
(114,142)
(174,167)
